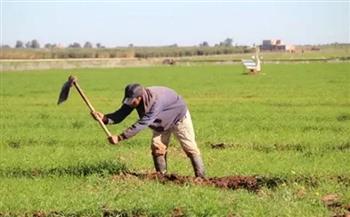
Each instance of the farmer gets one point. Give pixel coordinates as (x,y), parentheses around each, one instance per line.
(165,112)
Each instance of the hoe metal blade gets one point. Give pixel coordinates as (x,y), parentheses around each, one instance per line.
(65,89)
(64,96)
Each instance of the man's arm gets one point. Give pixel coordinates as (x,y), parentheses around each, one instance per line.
(118,116)
(113,118)
(142,123)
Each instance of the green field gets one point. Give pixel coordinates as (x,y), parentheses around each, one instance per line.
(291,123)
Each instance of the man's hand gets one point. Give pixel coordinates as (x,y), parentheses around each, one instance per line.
(113,139)
(97,115)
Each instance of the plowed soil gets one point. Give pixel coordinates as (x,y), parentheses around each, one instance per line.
(250,183)
(221,146)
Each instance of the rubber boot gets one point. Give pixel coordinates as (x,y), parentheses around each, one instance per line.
(198,166)
(160,163)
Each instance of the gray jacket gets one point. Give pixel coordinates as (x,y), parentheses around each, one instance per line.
(160,109)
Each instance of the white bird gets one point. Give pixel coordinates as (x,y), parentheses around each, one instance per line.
(253,66)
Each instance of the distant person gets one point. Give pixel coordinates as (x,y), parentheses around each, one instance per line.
(166,113)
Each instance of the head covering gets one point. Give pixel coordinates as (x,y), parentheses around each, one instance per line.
(132,91)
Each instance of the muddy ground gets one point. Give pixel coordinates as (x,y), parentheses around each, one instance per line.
(249,183)
(334,203)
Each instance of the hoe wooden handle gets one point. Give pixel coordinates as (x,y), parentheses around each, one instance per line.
(87,102)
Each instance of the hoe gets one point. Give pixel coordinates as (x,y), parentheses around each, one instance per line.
(72,80)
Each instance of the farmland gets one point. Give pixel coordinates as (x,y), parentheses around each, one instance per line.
(32,59)
(289,126)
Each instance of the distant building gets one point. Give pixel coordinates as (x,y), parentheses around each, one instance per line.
(276,45)
(290,48)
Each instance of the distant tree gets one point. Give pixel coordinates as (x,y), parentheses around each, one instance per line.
(35,44)
(204,44)
(98,45)
(28,44)
(173,45)
(131,45)
(227,42)
(19,44)
(5,46)
(48,45)
(75,45)
(87,45)
(199,52)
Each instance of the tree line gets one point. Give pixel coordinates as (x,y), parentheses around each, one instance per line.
(31,50)
(34,44)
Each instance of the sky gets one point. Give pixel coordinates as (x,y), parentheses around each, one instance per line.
(156,23)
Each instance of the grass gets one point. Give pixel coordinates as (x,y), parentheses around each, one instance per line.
(291,123)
